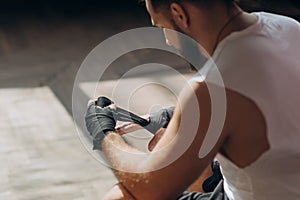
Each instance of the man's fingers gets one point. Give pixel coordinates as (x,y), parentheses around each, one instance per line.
(123,125)
(103,101)
(113,106)
(127,128)
(94,102)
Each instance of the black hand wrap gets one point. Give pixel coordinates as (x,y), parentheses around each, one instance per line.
(160,119)
(99,121)
(104,102)
(123,115)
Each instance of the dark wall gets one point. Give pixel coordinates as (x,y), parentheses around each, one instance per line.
(68,7)
(286,7)
(76,8)
(18,10)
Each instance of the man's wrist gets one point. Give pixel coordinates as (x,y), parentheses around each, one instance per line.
(111,137)
(109,132)
(98,140)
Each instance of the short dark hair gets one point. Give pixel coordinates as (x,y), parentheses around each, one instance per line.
(157,4)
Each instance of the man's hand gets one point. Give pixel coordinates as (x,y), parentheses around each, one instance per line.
(157,120)
(99,121)
(160,119)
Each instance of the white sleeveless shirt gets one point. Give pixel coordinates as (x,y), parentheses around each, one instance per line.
(262,63)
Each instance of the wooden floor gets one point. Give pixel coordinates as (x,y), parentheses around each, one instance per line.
(41,156)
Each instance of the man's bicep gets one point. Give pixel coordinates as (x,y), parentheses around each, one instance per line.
(186,127)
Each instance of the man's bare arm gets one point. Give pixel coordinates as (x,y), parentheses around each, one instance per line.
(142,175)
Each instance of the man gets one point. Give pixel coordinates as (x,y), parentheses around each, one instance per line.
(257,57)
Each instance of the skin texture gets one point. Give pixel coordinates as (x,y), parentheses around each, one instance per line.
(131,127)
(244,123)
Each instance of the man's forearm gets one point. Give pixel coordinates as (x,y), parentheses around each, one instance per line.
(145,175)
(124,161)
(115,140)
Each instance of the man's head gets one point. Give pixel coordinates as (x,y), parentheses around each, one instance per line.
(166,7)
(195,18)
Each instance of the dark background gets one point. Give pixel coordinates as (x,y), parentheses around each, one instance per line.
(76,8)
(43,43)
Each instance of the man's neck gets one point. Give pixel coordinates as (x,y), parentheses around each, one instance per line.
(213,28)
(243,21)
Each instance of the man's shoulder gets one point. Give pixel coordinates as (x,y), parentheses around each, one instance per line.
(274,16)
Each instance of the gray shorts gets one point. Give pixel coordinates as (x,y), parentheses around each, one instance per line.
(217,194)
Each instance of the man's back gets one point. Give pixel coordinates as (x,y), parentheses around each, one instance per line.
(261,71)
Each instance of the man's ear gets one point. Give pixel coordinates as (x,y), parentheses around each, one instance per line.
(179,15)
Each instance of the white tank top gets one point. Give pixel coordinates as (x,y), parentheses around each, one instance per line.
(262,63)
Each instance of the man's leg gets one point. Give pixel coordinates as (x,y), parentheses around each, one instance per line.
(118,192)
